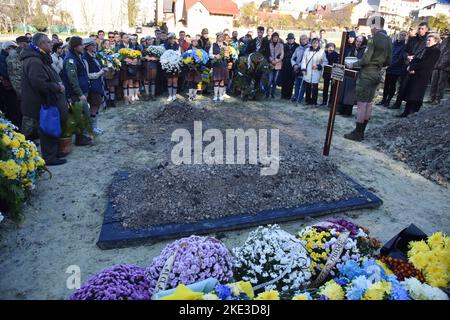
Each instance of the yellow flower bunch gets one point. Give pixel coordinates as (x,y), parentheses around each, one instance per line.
(378,291)
(268,295)
(188,60)
(315,241)
(130,53)
(332,291)
(10,169)
(432,258)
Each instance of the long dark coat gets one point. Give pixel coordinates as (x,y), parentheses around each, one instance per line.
(287,76)
(423,68)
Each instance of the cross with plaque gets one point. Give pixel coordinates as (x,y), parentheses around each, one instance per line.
(338,73)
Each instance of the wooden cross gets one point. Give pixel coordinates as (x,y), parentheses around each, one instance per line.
(348,73)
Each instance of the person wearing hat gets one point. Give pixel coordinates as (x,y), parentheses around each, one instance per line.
(41,85)
(377,56)
(287,71)
(76,80)
(95,73)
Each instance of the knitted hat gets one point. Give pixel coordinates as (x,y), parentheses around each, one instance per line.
(205,31)
(75,42)
(290,36)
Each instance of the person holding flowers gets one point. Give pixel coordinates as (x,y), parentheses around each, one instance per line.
(129,70)
(134,44)
(220,55)
(111,60)
(172,76)
(194,58)
(150,69)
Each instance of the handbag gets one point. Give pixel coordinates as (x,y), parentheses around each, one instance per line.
(49,121)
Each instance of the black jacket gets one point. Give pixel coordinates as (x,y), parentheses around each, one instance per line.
(264,49)
(444,60)
(423,67)
(40,84)
(416,46)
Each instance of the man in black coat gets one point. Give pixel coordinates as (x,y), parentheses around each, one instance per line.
(287,71)
(440,73)
(41,85)
(415,48)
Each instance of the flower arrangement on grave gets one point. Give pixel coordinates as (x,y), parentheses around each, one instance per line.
(340,239)
(20,168)
(432,258)
(402,269)
(422,291)
(119,282)
(271,259)
(188,260)
(171,62)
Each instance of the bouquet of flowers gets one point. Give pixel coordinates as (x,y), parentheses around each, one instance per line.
(189,260)
(131,54)
(324,237)
(402,269)
(368,280)
(155,51)
(206,74)
(171,62)
(120,282)
(109,59)
(432,258)
(273,259)
(195,56)
(20,167)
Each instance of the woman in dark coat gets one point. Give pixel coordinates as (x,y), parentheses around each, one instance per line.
(332,57)
(287,71)
(347,98)
(420,71)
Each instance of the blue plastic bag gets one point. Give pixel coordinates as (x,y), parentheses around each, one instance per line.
(49,121)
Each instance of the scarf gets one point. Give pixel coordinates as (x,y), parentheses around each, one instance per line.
(45,56)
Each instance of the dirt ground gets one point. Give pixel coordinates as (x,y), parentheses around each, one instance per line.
(64,217)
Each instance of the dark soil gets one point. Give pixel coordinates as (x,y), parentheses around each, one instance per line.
(167,193)
(422,141)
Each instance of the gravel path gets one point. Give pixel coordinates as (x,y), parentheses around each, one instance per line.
(64,217)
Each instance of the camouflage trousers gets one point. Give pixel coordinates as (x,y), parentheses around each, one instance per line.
(366,85)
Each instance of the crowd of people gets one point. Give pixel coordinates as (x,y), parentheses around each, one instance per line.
(36,70)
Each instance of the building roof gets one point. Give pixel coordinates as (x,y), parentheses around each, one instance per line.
(225,7)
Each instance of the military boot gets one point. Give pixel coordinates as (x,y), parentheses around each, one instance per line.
(357,134)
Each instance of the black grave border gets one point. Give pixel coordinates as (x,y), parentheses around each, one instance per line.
(113,235)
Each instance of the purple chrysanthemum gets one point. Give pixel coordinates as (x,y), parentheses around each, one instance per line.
(119,282)
(198,258)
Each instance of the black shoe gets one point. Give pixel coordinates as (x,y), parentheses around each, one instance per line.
(357,134)
(56,162)
(82,140)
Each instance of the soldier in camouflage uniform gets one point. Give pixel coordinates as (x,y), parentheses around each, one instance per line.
(14,65)
(76,81)
(377,56)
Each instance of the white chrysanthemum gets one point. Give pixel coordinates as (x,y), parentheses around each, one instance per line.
(422,291)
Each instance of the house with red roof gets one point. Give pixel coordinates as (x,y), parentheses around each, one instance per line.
(194,15)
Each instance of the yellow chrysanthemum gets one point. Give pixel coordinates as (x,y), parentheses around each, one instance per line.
(21,153)
(40,162)
(332,291)
(9,169)
(378,291)
(19,136)
(268,295)
(31,166)
(14,144)
(416,247)
(6,141)
(436,240)
(3,126)
(420,260)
